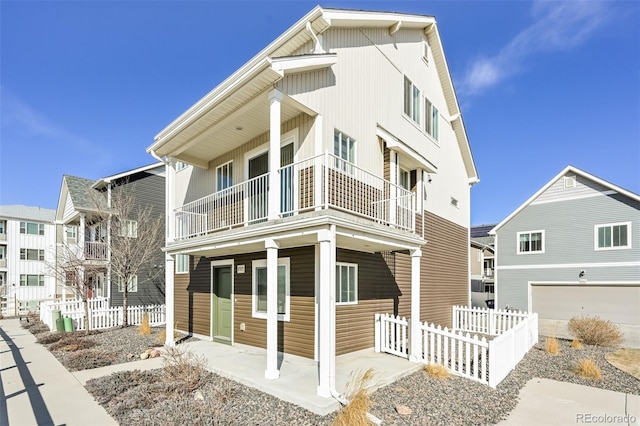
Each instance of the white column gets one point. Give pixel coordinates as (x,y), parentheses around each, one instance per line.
(414,350)
(170,199)
(81,231)
(326,311)
(275,98)
(108,284)
(169,299)
(272,371)
(419,190)
(393,178)
(318,163)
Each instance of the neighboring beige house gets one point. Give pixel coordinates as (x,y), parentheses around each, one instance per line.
(324,181)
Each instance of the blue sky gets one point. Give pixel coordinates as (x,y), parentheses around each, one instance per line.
(85,86)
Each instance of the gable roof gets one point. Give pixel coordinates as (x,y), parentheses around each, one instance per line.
(19,211)
(149,167)
(261,72)
(576,171)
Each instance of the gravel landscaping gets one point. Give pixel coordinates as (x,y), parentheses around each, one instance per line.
(161,397)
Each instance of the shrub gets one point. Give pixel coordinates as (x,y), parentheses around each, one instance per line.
(184,367)
(552,346)
(595,331)
(72,343)
(588,368)
(437,371)
(86,359)
(48,338)
(145,328)
(575,344)
(355,412)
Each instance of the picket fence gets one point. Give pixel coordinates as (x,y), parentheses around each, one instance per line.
(466,355)
(101,316)
(492,322)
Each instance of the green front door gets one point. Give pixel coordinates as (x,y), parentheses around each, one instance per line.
(222,304)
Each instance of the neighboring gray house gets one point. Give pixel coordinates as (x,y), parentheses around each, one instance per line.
(81,227)
(572,249)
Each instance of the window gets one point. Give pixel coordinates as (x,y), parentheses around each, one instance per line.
(72,232)
(224,176)
(344,148)
(411,100)
(346,283)
(31,254)
(132,286)
(531,242)
(32,228)
(259,302)
(2,252)
(180,165)
(403,179)
(425,51)
(613,236)
(182,264)
(32,280)
(2,226)
(489,288)
(129,229)
(431,115)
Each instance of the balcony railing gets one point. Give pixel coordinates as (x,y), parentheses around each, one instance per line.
(488,272)
(95,250)
(317,183)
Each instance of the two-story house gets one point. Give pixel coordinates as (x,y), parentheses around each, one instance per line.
(482,266)
(324,181)
(84,232)
(572,249)
(27,245)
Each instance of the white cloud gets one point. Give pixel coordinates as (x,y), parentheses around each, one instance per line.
(557,25)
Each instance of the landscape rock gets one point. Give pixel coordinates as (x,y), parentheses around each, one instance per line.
(144,355)
(403,410)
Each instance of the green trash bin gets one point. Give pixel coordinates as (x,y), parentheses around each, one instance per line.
(68,324)
(56,316)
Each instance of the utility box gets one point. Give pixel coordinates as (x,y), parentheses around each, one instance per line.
(56,320)
(68,324)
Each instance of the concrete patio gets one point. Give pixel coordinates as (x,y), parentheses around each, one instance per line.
(298,376)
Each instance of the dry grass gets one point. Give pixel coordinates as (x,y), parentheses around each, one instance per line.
(595,331)
(162,336)
(627,360)
(355,412)
(145,328)
(72,343)
(575,344)
(588,368)
(437,371)
(184,367)
(551,345)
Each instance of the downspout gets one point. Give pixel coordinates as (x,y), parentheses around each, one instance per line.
(317,49)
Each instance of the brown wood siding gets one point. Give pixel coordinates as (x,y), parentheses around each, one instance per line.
(443,269)
(192,297)
(387,164)
(384,285)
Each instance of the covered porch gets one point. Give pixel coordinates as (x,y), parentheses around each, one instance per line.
(298,375)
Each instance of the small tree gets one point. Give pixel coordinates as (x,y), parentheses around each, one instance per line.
(136,239)
(78,275)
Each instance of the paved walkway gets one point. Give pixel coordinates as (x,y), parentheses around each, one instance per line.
(35,389)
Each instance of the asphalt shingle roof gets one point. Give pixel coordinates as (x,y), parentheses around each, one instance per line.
(19,211)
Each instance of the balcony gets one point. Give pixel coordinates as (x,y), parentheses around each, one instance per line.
(317,183)
(488,273)
(95,250)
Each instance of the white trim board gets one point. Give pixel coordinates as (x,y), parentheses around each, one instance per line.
(568,265)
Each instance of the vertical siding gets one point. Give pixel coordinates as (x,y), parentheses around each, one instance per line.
(443,269)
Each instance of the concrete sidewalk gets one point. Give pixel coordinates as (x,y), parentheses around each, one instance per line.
(35,389)
(550,402)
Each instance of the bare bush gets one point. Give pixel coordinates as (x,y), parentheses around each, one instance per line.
(88,358)
(184,367)
(118,384)
(48,338)
(72,343)
(595,331)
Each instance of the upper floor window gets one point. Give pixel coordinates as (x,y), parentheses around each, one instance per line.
(431,115)
(404,179)
(2,252)
(72,232)
(132,285)
(531,242)
(346,283)
(32,228)
(425,51)
(31,254)
(411,100)
(259,302)
(129,229)
(224,176)
(32,280)
(613,236)
(344,147)
(182,264)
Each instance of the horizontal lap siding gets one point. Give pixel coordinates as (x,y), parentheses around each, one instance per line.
(443,269)
(192,295)
(378,292)
(295,336)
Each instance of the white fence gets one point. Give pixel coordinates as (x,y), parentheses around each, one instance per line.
(485,321)
(101,316)
(463,354)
